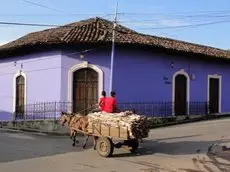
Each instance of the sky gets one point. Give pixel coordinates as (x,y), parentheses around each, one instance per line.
(197,21)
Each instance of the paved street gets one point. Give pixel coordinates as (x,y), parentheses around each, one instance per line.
(177,148)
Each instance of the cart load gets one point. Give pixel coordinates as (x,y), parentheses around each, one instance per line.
(126,125)
(107,127)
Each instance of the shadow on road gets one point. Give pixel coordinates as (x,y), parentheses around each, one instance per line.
(19,146)
(172,146)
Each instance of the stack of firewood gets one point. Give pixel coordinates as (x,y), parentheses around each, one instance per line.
(137,125)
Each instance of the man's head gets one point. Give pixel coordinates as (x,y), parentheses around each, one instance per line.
(113,94)
(103,93)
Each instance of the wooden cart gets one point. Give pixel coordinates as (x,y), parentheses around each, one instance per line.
(106,134)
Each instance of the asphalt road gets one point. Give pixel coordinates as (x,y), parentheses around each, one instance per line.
(19,146)
(177,148)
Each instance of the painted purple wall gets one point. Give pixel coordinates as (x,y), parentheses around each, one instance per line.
(139,76)
(43,80)
(99,58)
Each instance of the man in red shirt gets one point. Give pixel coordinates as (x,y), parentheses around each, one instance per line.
(102,101)
(111,103)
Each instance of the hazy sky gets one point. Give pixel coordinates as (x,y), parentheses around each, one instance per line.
(206,22)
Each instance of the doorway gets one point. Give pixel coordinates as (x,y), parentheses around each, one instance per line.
(180,97)
(85,90)
(214,94)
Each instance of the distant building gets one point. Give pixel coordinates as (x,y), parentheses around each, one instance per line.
(72,64)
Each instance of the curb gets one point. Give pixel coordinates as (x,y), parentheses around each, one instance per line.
(193,120)
(21,130)
(53,133)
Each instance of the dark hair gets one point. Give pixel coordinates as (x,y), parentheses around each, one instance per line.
(112,93)
(134,111)
(103,93)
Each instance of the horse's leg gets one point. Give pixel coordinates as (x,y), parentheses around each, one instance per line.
(75,135)
(86,140)
(74,139)
(95,142)
(71,134)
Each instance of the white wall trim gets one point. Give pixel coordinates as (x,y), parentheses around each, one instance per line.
(216,76)
(83,65)
(14,88)
(181,72)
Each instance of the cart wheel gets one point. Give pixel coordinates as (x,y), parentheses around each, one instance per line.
(134,145)
(105,146)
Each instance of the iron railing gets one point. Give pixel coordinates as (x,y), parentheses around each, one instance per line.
(52,110)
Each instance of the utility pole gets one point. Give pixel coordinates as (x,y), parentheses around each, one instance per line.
(113,49)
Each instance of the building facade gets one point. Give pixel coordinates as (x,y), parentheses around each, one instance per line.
(142,75)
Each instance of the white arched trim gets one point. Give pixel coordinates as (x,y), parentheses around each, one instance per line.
(83,65)
(14,88)
(181,72)
(219,77)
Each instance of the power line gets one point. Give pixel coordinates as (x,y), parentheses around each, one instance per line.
(36,60)
(189,26)
(54,15)
(174,18)
(37,25)
(43,6)
(55,25)
(29,24)
(54,9)
(156,13)
(35,70)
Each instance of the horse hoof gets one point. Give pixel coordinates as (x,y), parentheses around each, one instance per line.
(73,144)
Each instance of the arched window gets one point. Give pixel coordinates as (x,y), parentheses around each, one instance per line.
(20,95)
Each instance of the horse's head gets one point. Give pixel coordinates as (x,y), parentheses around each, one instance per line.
(64,118)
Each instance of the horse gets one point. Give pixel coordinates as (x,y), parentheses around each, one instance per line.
(76,122)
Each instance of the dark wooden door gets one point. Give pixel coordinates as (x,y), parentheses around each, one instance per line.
(20,93)
(180,95)
(214,95)
(85,90)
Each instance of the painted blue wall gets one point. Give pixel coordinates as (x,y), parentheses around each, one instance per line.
(42,71)
(139,76)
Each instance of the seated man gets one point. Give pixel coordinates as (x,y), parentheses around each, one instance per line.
(102,101)
(111,103)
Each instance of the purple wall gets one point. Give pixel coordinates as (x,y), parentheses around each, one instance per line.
(101,59)
(139,76)
(43,80)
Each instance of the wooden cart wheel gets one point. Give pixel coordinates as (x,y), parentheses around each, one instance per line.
(134,144)
(105,146)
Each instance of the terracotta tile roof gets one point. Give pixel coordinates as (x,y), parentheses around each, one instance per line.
(98,30)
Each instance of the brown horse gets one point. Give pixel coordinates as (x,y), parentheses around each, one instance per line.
(75,123)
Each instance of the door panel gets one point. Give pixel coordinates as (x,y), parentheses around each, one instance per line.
(180,95)
(214,95)
(85,89)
